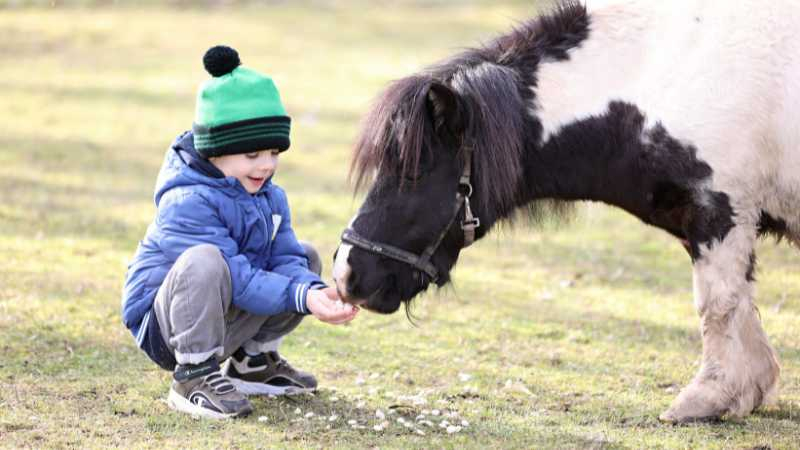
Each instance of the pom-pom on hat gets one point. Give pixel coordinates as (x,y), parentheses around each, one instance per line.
(238,110)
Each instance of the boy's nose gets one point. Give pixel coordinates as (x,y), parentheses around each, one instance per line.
(269,164)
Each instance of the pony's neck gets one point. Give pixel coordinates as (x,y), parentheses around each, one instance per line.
(595,159)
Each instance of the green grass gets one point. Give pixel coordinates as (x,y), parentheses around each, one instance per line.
(568,335)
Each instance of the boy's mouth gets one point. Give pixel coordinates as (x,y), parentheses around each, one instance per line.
(256,180)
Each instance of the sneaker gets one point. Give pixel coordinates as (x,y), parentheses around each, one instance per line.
(202,390)
(266,374)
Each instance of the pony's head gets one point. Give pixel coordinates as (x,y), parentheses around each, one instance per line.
(434,148)
(431,140)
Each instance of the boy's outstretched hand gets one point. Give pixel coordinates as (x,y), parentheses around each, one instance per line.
(326,306)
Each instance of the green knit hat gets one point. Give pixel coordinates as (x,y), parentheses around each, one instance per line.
(239,110)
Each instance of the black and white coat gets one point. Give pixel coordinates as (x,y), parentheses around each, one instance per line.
(714,89)
(683,113)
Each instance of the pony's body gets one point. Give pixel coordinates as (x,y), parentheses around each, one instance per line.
(683,113)
(705,71)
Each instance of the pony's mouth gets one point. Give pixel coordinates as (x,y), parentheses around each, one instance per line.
(376,302)
(360,302)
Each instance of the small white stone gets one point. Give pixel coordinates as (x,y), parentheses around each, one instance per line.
(352,422)
(401,420)
(421,417)
(360,381)
(334,399)
(374,375)
(425,412)
(372,391)
(419,432)
(298,411)
(309,415)
(380,415)
(377,428)
(464,423)
(453,429)
(361,404)
(263,419)
(435,412)
(444,424)
(333,418)
(464,377)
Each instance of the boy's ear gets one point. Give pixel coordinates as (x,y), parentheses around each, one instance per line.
(445,108)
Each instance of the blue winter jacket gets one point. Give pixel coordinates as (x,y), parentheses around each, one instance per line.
(198,205)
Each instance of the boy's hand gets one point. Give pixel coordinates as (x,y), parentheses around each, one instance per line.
(326,306)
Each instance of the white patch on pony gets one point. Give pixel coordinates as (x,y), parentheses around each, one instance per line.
(341,269)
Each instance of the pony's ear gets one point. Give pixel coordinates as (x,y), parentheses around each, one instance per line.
(444,105)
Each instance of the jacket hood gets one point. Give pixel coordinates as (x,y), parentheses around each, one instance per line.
(184,166)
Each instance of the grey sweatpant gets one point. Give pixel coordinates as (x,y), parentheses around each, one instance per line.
(196,315)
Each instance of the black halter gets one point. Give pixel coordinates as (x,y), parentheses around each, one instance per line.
(423,261)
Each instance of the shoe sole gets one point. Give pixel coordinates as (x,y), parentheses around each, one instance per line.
(253,388)
(181,404)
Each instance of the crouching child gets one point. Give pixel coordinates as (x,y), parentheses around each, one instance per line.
(220,277)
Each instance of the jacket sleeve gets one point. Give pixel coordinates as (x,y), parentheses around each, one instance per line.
(188,219)
(288,257)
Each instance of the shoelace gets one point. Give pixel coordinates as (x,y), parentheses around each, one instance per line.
(220,383)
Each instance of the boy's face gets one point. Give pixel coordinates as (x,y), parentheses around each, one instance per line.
(251,169)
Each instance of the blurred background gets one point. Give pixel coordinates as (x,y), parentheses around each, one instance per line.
(564,334)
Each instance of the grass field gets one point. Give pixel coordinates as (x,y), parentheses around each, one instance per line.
(564,335)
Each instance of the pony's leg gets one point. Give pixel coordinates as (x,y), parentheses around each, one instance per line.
(739,370)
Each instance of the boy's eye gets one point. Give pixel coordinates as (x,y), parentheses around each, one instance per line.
(253,155)
(275,152)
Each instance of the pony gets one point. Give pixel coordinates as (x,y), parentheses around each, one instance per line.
(682,113)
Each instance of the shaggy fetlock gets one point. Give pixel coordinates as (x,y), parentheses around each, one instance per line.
(740,371)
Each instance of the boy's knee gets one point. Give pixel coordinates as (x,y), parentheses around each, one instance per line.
(314,261)
(205,262)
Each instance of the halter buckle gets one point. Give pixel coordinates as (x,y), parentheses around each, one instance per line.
(467,185)
(472,223)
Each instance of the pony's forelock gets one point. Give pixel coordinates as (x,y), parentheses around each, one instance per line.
(394,131)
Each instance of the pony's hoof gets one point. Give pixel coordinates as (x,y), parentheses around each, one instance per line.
(696,403)
(670,417)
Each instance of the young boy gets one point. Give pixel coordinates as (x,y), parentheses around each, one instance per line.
(220,274)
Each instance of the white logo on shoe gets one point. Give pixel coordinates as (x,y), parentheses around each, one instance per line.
(243,368)
(199,400)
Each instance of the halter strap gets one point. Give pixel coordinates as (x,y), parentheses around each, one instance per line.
(350,237)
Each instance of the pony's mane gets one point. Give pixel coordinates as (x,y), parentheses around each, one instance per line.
(494,81)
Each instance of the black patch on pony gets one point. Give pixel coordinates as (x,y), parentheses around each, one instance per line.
(614,159)
(775,227)
(750,275)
